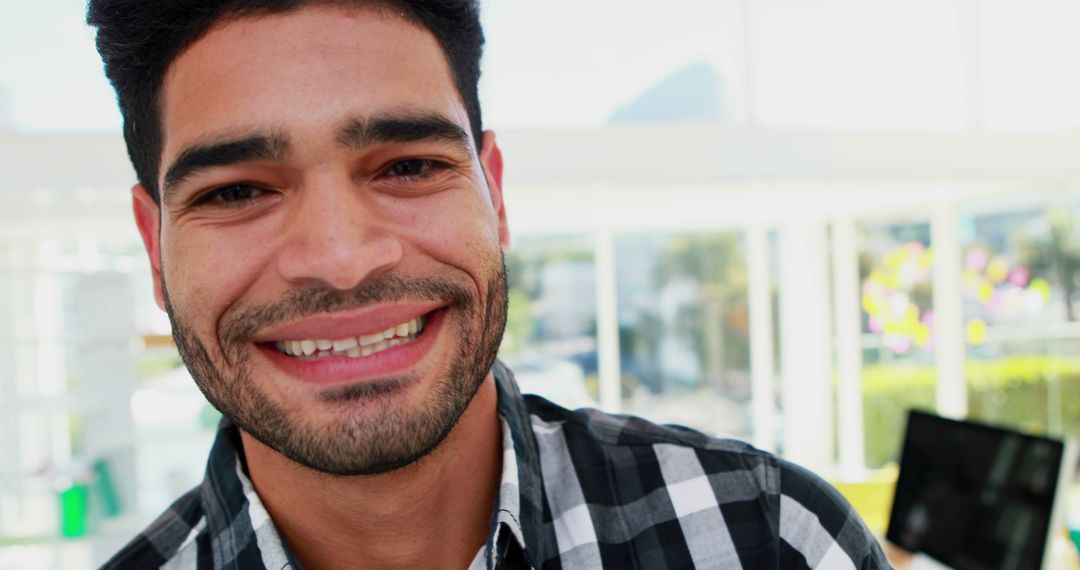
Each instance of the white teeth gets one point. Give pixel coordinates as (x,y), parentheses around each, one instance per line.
(345,344)
(354,347)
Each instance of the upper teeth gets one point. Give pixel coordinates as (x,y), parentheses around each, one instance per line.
(354,346)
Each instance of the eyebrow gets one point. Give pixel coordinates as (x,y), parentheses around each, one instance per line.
(354,134)
(359,133)
(202,156)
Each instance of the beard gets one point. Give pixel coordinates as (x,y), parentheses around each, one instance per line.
(354,439)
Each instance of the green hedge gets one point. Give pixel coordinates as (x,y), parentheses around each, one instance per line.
(1036,394)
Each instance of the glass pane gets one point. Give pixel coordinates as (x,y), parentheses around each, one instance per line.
(1022,301)
(550,339)
(895,263)
(683,329)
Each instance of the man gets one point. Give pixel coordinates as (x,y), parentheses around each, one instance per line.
(325,222)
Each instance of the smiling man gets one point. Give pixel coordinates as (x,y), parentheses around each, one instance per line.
(325,223)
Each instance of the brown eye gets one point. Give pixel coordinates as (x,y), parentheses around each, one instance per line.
(410,167)
(231,195)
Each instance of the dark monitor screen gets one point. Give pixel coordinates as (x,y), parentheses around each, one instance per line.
(974,496)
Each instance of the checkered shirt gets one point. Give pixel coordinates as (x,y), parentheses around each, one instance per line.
(579,489)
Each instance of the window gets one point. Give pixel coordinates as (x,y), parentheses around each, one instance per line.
(1021,292)
(684,330)
(895,266)
(550,338)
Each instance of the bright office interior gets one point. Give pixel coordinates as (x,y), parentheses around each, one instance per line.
(785,221)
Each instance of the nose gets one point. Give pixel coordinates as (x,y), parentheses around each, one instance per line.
(336,237)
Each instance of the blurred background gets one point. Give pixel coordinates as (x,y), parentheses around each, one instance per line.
(787,221)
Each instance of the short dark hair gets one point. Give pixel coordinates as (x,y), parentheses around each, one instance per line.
(139,39)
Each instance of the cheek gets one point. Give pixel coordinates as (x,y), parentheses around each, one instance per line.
(207,271)
(456,232)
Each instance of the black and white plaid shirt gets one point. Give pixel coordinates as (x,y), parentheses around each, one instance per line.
(580,489)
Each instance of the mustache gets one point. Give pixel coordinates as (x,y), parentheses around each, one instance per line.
(314,300)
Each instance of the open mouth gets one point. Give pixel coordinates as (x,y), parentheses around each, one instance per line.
(354,346)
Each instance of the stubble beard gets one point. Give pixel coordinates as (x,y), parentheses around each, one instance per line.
(369,435)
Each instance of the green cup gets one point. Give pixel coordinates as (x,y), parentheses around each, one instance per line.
(1074,534)
(73,511)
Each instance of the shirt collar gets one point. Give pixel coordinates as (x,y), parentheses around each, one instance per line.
(521,453)
(233,513)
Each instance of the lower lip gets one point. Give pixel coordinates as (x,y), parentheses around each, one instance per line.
(341,369)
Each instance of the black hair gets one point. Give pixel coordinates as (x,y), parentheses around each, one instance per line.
(139,39)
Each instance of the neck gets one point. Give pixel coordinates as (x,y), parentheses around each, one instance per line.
(433,513)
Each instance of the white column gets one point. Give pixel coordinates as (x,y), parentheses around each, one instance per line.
(948,312)
(607,322)
(762,370)
(805,347)
(846,302)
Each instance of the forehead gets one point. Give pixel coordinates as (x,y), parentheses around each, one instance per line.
(304,72)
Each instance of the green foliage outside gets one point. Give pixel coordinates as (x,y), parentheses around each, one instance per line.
(716,325)
(1032,393)
(520,323)
(1055,254)
(888,393)
(524,265)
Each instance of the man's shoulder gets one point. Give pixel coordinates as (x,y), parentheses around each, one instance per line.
(612,431)
(709,501)
(162,540)
(818,526)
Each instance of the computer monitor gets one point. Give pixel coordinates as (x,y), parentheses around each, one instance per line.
(974,496)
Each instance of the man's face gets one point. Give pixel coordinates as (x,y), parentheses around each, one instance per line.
(329,247)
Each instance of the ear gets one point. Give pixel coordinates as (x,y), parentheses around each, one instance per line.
(492,161)
(148,218)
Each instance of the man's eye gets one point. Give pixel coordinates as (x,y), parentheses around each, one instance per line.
(413,168)
(230,196)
